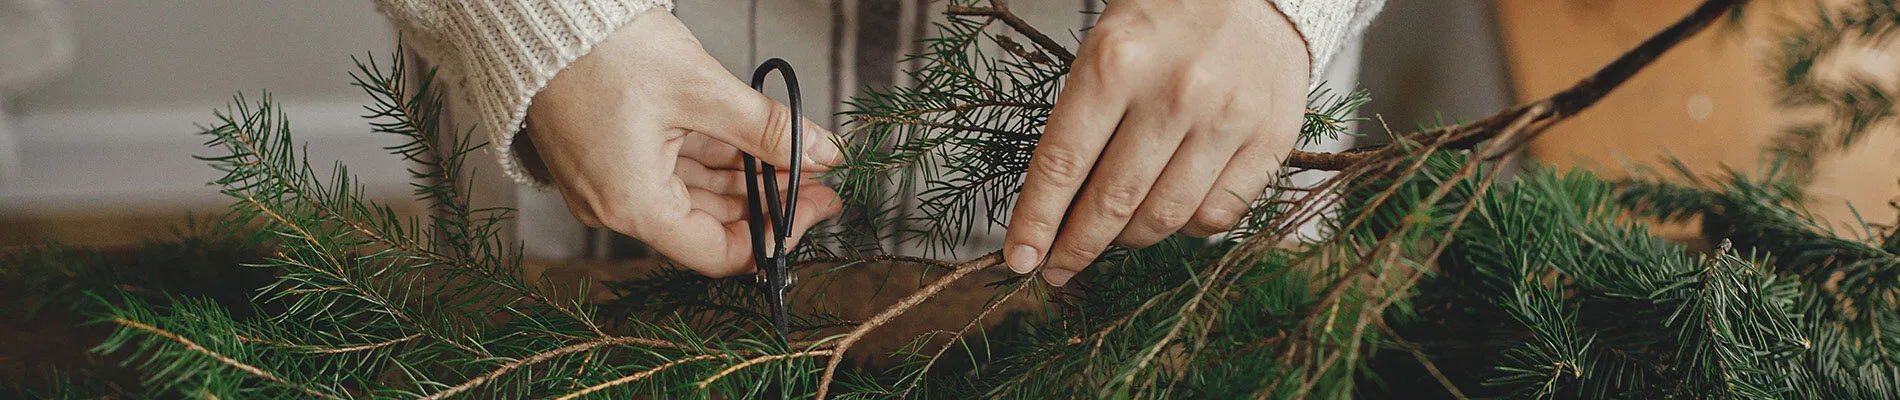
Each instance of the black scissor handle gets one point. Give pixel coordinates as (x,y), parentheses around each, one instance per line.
(763,208)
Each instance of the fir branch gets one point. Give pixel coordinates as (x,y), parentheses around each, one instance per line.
(999,9)
(941,264)
(637,376)
(333,350)
(925,293)
(194,347)
(959,335)
(545,356)
(765,359)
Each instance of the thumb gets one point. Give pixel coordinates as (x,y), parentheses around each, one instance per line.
(762,127)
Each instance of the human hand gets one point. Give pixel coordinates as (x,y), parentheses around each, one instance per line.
(643,136)
(1176,114)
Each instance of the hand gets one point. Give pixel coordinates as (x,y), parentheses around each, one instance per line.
(643,136)
(1176,113)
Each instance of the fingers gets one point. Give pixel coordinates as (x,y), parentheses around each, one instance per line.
(1244,178)
(696,239)
(1180,190)
(1142,146)
(711,152)
(731,182)
(816,203)
(762,127)
(724,208)
(1084,119)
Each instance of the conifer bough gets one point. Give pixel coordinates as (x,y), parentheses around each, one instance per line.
(1427,279)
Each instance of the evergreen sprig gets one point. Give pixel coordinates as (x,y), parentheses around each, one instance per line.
(1428,275)
(1849,102)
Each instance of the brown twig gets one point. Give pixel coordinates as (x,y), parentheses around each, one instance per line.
(331,350)
(1419,354)
(635,377)
(1546,112)
(999,10)
(959,334)
(769,358)
(1558,107)
(544,357)
(194,347)
(908,302)
(880,258)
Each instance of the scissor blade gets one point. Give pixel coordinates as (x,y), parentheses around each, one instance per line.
(778,286)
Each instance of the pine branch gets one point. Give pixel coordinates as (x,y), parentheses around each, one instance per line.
(765,359)
(999,9)
(544,357)
(637,376)
(194,347)
(925,293)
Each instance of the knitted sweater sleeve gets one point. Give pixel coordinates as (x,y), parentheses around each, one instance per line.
(498,53)
(1328,25)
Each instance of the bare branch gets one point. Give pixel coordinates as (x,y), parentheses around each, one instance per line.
(638,375)
(544,357)
(999,10)
(765,359)
(962,270)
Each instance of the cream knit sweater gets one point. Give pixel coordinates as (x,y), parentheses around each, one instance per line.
(498,53)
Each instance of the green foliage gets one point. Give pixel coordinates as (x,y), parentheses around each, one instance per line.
(1850,103)
(1429,279)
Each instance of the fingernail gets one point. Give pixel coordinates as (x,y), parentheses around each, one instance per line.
(1057,276)
(1021,258)
(822,151)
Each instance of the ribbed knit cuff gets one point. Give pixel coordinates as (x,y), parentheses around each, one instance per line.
(499,53)
(1327,25)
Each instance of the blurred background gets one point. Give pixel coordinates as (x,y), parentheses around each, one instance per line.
(99,98)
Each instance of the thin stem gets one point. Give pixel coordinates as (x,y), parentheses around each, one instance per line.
(638,375)
(1419,354)
(880,258)
(333,350)
(999,10)
(962,270)
(765,359)
(544,357)
(194,347)
(959,334)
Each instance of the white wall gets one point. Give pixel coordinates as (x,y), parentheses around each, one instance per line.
(117,132)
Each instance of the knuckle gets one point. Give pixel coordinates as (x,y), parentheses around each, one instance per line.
(1214,219)
(727,182)
(778,129)
(1060,165)
(1082,256)
(1195,84)
(1032,227)
(1135,240)
(1119,201)
(621,221)
(1169,214)
(1234,103)
(1116,54)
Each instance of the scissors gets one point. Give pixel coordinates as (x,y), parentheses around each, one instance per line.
(774,273)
